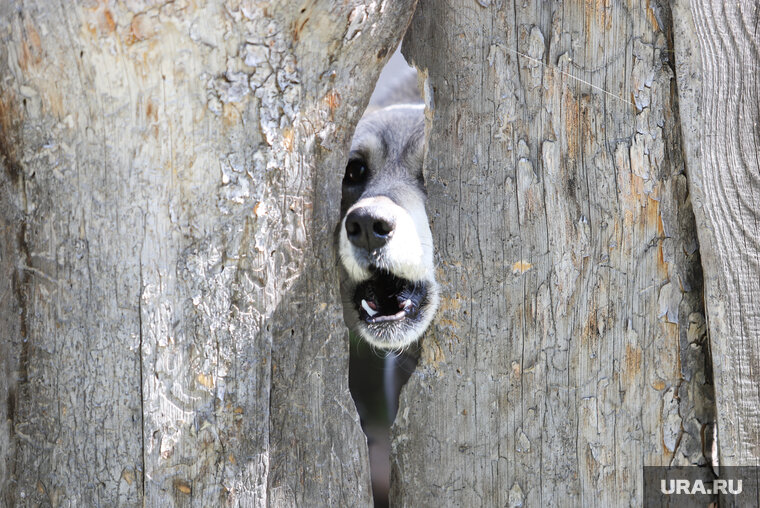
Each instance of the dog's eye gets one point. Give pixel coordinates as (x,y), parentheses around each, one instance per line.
(356,172)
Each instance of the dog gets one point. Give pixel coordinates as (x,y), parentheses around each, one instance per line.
(388,286)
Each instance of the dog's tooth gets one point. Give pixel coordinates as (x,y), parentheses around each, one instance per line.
(407,304)
(368,309)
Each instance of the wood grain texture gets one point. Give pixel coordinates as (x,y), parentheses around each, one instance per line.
(717,56)
(570,349)
(170,182)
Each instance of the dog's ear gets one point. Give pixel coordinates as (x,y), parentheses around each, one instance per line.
(397,84)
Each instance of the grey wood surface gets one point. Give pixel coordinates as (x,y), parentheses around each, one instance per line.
(717,57)
(571,345)
(170,333)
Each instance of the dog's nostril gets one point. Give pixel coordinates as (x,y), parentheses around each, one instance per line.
(382,228)
(353,228)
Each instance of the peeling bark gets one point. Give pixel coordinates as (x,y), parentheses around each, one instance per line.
(570,350)
(170,182)
(717,54)
(171,332)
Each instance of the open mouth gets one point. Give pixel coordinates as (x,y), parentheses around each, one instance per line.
(385,298)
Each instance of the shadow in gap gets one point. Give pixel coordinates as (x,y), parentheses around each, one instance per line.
(376,377)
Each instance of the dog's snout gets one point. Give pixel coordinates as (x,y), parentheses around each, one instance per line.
(368,231)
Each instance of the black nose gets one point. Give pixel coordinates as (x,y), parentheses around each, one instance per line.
(366,230)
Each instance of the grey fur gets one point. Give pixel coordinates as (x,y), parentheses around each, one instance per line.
(390,142)
(400,88)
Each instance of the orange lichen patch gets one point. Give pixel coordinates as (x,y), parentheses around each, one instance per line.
(448,322)
(432,354)
(238,410)
(596,15)
(182,486)
(662,265)
(151,111)
(651,18)
(128,476)
(141,27)
(31,47)
(660,224)
(521,267)
(100,21)
(653,221)
(107,22)
(287,138)
(207,381)
(516,369)
(451,304)
(230,114)
(91,29)
(231,458)
(591,328)
(637,194)
(632,365)
(33,37)
(652,211)
(332,101)
(572,122)
(259,209)
(658,385)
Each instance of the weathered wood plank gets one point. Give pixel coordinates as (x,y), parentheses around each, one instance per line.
(170,183)
(570,348)
(717,56)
